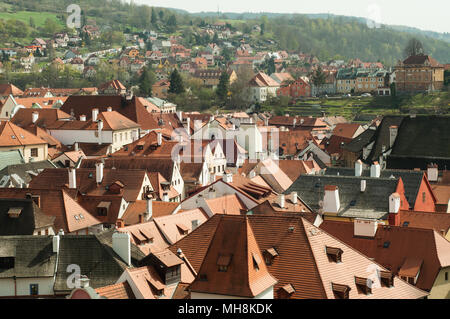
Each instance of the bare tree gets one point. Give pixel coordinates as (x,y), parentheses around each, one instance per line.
(413,47)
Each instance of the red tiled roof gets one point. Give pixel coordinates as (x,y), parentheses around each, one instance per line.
(12,135)
(117,291)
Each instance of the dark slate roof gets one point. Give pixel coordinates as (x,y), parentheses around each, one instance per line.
(359,142)
(373,203)
(95,257)
(423,136)
(411,179)
(382,136)
(30,218)
(34,256)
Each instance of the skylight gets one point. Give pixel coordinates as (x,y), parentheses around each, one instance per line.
(386,244)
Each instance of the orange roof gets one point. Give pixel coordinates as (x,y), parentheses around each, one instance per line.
(146,237)
(263,80)
(139,207)
(440,222)
(347,130)
(170,225)
(228,205)
(300,260)
(112,121)
(118,291)
(147,282)
(77,217)
(401,243)
(234,248)
(44,102)
(12,135)
(23,117)
(10,89)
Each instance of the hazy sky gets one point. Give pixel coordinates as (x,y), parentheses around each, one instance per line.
(427,15)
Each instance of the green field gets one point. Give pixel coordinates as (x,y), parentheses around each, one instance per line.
(38,17)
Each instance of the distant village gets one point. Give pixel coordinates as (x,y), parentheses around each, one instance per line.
(141,199)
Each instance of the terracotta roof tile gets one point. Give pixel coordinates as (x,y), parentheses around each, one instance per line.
(12,135)
(118,291)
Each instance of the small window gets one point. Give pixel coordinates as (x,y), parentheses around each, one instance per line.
(446,276)
(34,152)
(386,244)
(424,197)
(34,289)
(405,224)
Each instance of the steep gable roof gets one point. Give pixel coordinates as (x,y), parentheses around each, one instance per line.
(233,246)
(12,135)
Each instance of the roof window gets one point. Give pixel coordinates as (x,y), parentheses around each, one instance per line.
(334,254)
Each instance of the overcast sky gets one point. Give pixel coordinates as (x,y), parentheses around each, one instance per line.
(427,15)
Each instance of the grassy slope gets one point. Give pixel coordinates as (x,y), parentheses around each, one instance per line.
(38,17)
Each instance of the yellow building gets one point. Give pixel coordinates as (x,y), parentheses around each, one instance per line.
(30,146)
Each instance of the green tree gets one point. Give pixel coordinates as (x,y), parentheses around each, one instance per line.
(50,26)
(319,77)
(223,87)
(161,15)
(154,19)
(176,83)
(146,81)
(271,66)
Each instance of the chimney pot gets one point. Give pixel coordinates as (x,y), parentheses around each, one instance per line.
(94,114)
(375,170)
(72,178)
(281,201)
(34,117)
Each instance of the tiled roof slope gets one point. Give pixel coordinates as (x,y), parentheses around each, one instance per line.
(411,179)
(117,291)
(423,136)
(300,261)
(234,240)
(12,135)
(163,166)
(30,218)
(310,189)
(404,242)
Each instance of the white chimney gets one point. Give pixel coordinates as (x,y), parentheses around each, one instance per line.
(188,126)
(180,116)
(294,198)
(211,118)
(252,174)
(99,172)
(331,202)
(83,118)
(76,146)
(363,185)
(122,246)
(94,115)
(149,211)
(375,170)
(432,173)
(281,201)
(228,178)
(165,197)
(365,227)
(393,131)
(109,109)
(56,240)
(72,178)
(159,138)
(358,168)
(100,128)
(394,203)
(34,117)
(266,122)
(84,282)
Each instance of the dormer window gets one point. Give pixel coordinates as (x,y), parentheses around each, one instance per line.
(364,285)
(256,261)
(223,262)
(269,255)
(182,229)
(387,279)
(340,291)
(334,254)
